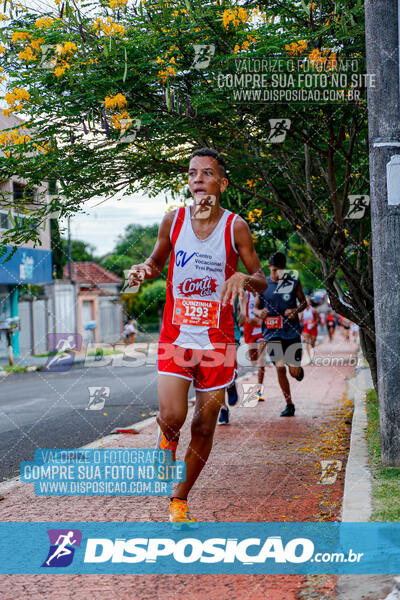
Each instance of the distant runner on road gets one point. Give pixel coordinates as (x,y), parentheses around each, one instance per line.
(197,340)
(253,336)
(278,309)
(231,391)
(331,324)
(310,320)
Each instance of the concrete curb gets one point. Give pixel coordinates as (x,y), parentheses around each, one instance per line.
(357,495)
(395,593)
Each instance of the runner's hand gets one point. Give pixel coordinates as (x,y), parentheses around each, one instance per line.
(232,288)
(290,312)
(137,274)
(262,313)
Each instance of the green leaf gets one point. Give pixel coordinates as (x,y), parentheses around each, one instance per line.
(168,99)
(304,5)
(126,67)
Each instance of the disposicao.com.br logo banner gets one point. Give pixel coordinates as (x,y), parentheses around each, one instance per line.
(246,548)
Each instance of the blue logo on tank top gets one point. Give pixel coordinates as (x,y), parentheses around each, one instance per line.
(181,258)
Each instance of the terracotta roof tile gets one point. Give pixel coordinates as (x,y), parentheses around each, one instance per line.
(90,273)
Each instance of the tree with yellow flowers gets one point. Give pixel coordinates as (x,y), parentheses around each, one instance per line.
(117,94)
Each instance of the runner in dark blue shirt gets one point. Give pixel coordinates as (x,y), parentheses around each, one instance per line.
(278,308)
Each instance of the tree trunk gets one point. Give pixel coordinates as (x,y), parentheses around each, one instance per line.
(369,351)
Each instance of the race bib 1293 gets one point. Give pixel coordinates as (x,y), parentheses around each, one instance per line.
(203,313)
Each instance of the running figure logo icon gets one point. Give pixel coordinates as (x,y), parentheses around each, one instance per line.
(62,542)
(287,279)
(250,394)
(202,206)
(203,55)
(65,345)
(358,206)
(279,129)
(97,397)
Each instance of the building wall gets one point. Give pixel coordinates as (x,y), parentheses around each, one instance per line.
(13,122)
(30,266)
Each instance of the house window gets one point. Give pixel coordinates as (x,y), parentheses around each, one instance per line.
(22,192)
(4,220)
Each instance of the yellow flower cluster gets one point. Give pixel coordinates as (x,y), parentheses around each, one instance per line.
(122,120)
(251,183)
(37,43)
(2,49)
(44,22)
(182,11)
(245,46)
(14,137)
(165,73)
(254,215)
(27,54)
(114,102)
(108,27)
(118,3)
(69,48)
(60,69)
(168,71)
(296,47)
(312,5)
(20,36)
(318,58)
(234,16)
(3,17)
(44,148)
(16,100)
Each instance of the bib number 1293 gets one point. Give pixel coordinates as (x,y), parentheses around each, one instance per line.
(203,313)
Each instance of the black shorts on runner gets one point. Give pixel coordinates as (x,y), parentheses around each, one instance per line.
(291,351)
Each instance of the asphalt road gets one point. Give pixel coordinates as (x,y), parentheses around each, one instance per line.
(49,410)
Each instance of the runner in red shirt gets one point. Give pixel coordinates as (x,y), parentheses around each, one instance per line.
(197,341)
(253,336)
(331,324)
(310,321)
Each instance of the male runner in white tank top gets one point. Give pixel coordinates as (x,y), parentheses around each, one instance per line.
(197,340)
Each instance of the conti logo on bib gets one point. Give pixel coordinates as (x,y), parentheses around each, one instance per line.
(205,286)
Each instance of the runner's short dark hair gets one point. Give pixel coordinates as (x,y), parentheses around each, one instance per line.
(214,154)
(278,260)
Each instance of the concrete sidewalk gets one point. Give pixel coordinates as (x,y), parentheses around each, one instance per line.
(262,468)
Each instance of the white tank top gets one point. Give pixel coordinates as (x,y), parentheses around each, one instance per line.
(193,316)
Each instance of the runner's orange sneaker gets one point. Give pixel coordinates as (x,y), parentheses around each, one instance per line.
(260,396)
(180,516)
(163,443)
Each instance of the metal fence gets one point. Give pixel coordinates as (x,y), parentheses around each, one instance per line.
(110,322)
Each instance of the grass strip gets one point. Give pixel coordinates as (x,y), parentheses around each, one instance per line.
(385,480)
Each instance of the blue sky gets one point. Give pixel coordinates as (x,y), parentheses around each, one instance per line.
(101,222)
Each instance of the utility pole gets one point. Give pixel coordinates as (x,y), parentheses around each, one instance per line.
(382,40)
(69,250)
